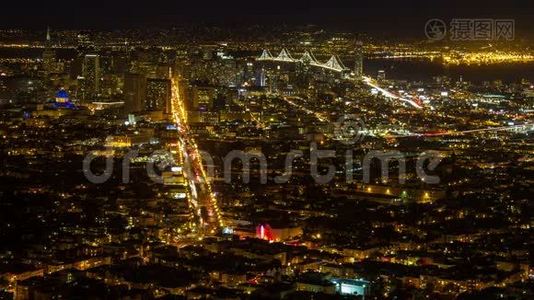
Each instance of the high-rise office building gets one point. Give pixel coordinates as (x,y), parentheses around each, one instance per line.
(91,74)
(203,97)
(134,91)
(49,55)
(158,95)
(163,71)
(261,80)
(381,76)
(358,63)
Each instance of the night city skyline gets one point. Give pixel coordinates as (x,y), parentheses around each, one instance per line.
(267,150)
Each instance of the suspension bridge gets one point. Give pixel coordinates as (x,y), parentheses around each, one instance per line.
(333,64)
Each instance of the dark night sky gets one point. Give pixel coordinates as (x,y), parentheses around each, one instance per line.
(370,15)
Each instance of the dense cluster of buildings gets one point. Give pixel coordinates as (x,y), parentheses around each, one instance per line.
(135,228)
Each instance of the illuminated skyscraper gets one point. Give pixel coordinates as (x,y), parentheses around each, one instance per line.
(261,79)
(203,97)
(134,91)
(358,63)
(381,76)
(49,55)
(158,95)
(91,74)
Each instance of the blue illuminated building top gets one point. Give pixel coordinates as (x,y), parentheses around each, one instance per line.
(62,94)
(62,100)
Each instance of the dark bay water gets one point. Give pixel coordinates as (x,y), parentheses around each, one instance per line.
(424,70)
